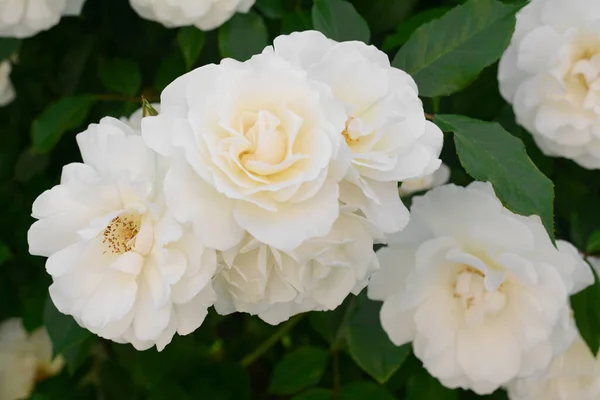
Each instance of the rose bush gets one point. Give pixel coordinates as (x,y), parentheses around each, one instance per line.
(299,200)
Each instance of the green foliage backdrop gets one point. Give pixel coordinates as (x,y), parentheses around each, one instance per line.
(100,64)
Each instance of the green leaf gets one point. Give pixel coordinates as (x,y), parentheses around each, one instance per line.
(370,346)
(328,323)
(121,76)
(593,245)
(585,218)
(447,54)
(407,28)
(8,46)
(296,22)
(489,153)
(421,385)
(191,42)
(243,36)
(30,164)
(271,8)
(60,116)
(339,20)
(314,394)
(76,355)
(587,314)
(364,390)
(384,15)
(64,332)
(298,370)
(169,69)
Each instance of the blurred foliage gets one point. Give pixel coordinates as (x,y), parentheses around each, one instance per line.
(100,64)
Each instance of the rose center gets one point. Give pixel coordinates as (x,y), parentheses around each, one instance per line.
(583,77)
(268,144)
(347,134)
(119,236)
(470,291)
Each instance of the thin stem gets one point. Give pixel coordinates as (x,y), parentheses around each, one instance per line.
(271,341)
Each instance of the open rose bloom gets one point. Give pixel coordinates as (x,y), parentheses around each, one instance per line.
(480,292)
(550,73)
(121,264)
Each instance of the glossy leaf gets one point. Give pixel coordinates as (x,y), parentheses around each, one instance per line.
(243,36)
(59,117)
(587,314)
(489,153)
(370,346)
(63,330)
(298,370)
(339,20)
(191,42)
(445,55)
(121,76)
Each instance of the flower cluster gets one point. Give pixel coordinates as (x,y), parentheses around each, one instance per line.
(260,187)
(24,359)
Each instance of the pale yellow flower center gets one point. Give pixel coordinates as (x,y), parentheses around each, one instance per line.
(119,235)
(345,133)
(583,75)
(470,291)
(269,144)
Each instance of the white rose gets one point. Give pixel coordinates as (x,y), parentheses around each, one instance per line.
(573,375)
(263,152)
(385,126)
(121,265)
(24,359)
(550,73)
(480,291)
(204,14)
(318,275)
(25,18)
(7,91)
(438,178)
